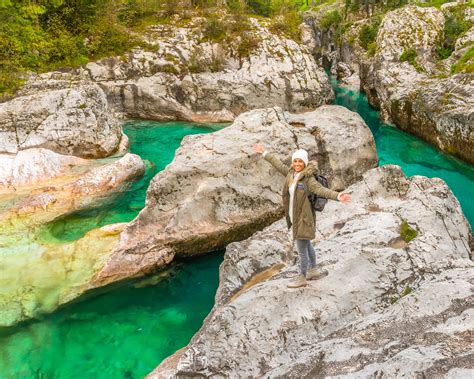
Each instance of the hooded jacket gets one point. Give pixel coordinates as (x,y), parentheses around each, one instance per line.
(304,218)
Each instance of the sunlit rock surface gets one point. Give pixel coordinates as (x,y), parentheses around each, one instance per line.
(39,273)
(387,308)
(217,190)
(64,113)
(185,77)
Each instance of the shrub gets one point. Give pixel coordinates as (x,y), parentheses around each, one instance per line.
(260,7)
(287,24)
(408,55)
(455,25)
(248,43)
(215,30)
(465,63)
(443,52)
(330,19)
(108,38)
(372,48)
(406,232)
(368,33)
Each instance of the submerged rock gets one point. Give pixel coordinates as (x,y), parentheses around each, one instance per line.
(388,307)
(185,77)
(217,190)
(63,113)
(39,272)
(70,194)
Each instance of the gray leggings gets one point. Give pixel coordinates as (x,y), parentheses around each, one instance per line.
(305,252)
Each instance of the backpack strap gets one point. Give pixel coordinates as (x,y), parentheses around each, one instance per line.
(306,191)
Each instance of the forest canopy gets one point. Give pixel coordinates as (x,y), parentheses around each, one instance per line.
(43,35)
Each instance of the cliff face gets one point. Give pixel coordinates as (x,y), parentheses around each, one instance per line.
(184,76)
(406,79)
(390,306)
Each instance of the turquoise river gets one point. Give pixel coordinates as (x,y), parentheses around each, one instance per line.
(125,333)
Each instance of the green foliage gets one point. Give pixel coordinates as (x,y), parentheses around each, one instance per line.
(330,19)
(372,48)
(443,52)
(408,290)
(406,232)
(260,7)
(368,34)
(49,34)
(465,63)
(408,55)
(248,43)
(135,12)
(432,3)
(43,35)
(215,29)
(287,24)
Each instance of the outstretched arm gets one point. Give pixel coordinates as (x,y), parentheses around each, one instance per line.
(319,190)
(272,158)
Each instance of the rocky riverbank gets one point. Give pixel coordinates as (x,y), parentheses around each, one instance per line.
(217,191)
(402,73)
(38,272)
(184,76)
(214,192)
(397,300)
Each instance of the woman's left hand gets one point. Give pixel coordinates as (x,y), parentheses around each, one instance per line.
(344,198)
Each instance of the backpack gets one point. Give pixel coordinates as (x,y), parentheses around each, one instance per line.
(317,203)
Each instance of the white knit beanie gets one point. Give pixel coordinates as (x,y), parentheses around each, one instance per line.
(300,154)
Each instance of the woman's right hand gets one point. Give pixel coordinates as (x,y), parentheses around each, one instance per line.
(258,148)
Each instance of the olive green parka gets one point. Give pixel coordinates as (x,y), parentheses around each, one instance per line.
(304,218)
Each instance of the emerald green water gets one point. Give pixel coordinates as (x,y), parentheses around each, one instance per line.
(156,144)
(121,334)
(125,333)
(413,155)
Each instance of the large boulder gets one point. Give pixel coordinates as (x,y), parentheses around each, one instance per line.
(186,77)
(390,306)
(64,113)
(217,190)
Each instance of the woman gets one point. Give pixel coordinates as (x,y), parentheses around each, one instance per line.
(299,213)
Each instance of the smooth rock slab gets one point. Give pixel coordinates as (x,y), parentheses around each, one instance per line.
(217,190)
(33,166)
(386,308)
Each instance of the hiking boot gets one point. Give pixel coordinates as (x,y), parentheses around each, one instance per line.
(315,273)
(298,281)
